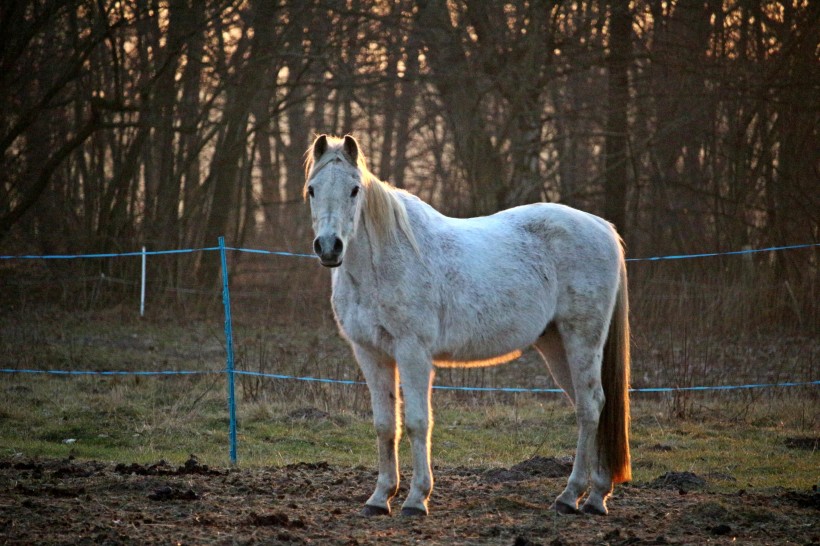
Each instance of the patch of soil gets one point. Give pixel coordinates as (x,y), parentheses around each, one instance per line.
(275,519)
(77,471)
(805,500)
(544,467)
(810,444)
(168,493)
(547,467)
(162,468)
(49,501)
(683,481)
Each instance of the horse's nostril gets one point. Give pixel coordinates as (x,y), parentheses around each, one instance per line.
(322,246)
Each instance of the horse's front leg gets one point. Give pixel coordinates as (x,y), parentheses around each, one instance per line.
(416,371)
(382,381)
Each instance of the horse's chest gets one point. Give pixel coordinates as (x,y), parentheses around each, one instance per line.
(357,313)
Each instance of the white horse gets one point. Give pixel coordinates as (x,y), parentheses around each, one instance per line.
(414,289)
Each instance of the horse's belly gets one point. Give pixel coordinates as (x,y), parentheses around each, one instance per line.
(488,340)
(447,361)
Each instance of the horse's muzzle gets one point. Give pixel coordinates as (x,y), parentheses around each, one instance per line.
(329,248)
(330,263)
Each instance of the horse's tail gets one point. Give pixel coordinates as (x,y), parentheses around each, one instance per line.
(613,427)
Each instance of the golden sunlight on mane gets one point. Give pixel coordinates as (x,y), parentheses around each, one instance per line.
(384,211)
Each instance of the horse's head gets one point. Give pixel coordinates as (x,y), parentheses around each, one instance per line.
(334,188)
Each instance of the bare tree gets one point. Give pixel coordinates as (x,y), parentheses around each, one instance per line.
(617,124)
(689,124)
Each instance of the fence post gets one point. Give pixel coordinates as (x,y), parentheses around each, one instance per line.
(226,301)
(142,285)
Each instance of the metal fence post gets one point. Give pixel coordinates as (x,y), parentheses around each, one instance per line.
(142,285)
(226,301)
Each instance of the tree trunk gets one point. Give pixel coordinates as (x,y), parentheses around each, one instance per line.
(451,76)
(616,183)
(404,111)
(225,167)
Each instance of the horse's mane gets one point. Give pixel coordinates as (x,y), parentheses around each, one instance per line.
(384,211)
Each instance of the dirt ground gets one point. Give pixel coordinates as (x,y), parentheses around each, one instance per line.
(48,501)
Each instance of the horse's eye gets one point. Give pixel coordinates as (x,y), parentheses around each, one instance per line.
(310,191)
(355,191)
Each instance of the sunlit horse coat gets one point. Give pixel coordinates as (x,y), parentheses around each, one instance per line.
(413,288)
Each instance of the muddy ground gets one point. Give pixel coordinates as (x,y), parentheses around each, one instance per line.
(47,501)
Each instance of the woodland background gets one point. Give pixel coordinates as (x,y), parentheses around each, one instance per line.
(692,125)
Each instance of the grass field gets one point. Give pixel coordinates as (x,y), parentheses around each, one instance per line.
(698,325)
(747,438)
(144,420)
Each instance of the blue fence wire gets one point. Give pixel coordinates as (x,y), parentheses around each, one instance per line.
(273,252)
(536,390)
(730,253)
(515,390)
(110,372)
(231,372)
(107,255)
(298,255)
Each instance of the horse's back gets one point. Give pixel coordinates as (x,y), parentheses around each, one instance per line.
(497,280)
(549,233)
(553,223)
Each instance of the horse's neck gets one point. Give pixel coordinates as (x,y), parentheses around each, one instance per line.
(361,255)
(366,251)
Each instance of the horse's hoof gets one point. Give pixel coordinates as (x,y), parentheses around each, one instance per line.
(592,510)
(409,511)
(564,508)
(370,510)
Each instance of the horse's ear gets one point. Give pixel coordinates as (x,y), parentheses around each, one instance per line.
(351,148)
(319,146)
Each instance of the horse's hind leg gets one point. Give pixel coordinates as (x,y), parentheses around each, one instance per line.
(382,381)
(582,341)
(551,348)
